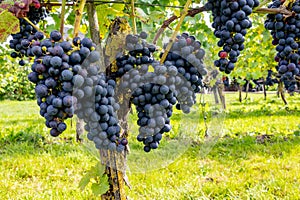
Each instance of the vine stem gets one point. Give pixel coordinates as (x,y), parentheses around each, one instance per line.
(281,10)
(34,26)
(195,11)
(93,23)
(79,12)
(133,17)
(166,23)
(99,2)
(183,14)
(62,19)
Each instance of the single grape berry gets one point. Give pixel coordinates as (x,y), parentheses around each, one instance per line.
(55,36)
(223,54)
(143,35)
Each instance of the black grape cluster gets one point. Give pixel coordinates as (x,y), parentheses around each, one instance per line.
(154,104)
(155,88)
(139,52)
(28,35)
(97,106)
(53,71)
(286,34)
(230,23)
(37,14)
(186,55)
(22,41)
(270,81)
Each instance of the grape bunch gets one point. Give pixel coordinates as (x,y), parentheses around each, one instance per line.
(97,106)
(286,34)
(154,104)
(231,22)
(155,89)
(21,8)
(187,56)
(53,71)
(37,14)
(270,81)
(28,35)
(22,41)
(139,53)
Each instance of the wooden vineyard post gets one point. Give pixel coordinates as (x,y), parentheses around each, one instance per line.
(264,88)
(220,89)
(281,92)
(79,129)
(215,92)
(240,93)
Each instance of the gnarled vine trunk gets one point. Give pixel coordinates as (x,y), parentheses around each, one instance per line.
(115,162)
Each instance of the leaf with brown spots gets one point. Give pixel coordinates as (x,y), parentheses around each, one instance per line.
(9,24)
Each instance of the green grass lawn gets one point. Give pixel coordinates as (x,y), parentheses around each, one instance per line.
(239,165)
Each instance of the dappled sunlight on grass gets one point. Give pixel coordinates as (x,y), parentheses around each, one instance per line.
(240,165)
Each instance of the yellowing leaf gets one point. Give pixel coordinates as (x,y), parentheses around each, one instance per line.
(119,8)
(9,24)
(177,12)
(83,28)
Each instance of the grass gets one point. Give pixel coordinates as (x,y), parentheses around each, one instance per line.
(238,165)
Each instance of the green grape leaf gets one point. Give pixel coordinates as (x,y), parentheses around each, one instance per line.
(147,1)
(85,180)
(142,15)
(96,172)
(9,24)
(100,188)
(156,15)
(70,18)
(99,169)
(118,9)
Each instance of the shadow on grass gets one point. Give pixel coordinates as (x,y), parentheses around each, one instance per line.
(232,149)
(25,136)
(234,114)
(30,141)
(22,120)
(255,109)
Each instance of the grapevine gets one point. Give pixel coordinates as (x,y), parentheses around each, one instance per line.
(285,32)
(230,23)
(69,78)
(28,35)
(155,87)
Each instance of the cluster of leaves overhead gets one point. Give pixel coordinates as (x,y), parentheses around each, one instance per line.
(108,12)
(253,63)
(14,84)
(152,17)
